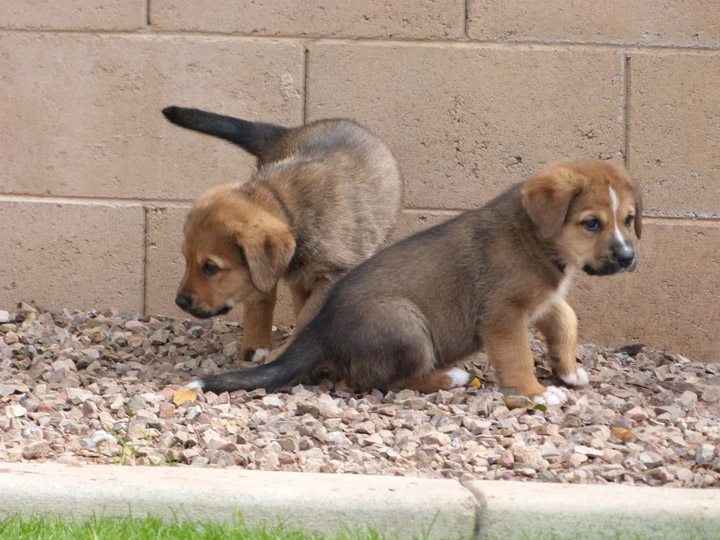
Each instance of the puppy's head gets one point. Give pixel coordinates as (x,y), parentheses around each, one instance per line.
(587,210)
(233,249)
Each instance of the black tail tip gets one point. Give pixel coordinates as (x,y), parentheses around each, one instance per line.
(172,112)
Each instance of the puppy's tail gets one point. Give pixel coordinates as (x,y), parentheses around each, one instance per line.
(255,137)
(300,359)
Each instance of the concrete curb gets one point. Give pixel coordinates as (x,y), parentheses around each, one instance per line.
(392,506)
(535,511)
(321,503)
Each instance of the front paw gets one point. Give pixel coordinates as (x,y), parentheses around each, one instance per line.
(576,378)
(256,356)
(552,396)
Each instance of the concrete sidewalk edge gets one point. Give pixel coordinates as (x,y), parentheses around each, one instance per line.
(321,503)
(330,503)
(538,510)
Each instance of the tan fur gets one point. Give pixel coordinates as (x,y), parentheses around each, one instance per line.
(323,202)
(406,316)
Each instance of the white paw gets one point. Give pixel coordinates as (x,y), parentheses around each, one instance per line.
(459,377)
(579,378)
(552,396)
(195,384)
(260,355)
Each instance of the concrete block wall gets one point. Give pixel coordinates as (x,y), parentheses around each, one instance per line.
(472,95)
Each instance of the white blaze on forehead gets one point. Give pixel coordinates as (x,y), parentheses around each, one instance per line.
(620,237)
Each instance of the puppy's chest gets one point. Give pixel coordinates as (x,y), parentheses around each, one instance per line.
(546,302)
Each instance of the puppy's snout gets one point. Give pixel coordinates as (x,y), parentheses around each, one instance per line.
(183,301)
(624,254)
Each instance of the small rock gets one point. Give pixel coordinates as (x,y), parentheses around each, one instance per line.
(78,395)
(4,316)
(337,438)
(366,428)
(36,450)
(687,400)
(615,457)
(307,408)
(704,454)
(32,433)
(683,474)
(650,459)
(15,411)
(160,337)
(404,394)
(587,451)
(417,403)
(507,459)
(711,395)
(135,404)
(548,449)
(231,349)
(327,407)
(194,412)
(637,414)
(439,439)
(528,455)
(272,402)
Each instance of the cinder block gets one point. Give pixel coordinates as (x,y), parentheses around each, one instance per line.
(675,132)
(466,121)
(108,15)
(692,23)
(671,302)
(81,114)
(75,256)
(440,19)
(165,267)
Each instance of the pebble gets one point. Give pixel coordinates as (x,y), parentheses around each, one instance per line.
(711,395)
(98,378)
(705,454)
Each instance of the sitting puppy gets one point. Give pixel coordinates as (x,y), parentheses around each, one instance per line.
(322,200)
(404,317)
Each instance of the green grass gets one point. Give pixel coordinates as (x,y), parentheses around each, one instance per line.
(39,528)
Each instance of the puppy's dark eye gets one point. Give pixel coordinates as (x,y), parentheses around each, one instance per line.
(210,269)
(593,225)
(629,220)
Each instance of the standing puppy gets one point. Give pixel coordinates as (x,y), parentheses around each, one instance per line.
(407,315)
(322,200)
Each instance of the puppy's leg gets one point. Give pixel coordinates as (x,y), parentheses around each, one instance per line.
(257,326)
(559,326)
(300,295)
(313,302)
(306,304)
(440,379)
(508,349)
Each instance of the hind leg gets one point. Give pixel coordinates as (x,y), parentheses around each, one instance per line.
(440,379)
(387,345)
(306,305)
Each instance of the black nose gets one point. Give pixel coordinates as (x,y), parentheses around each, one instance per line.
(183,301)
(624,254)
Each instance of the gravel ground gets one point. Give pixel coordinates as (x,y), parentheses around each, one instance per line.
(100,387)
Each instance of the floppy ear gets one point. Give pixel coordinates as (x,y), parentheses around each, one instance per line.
(547,196)
(268,249)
